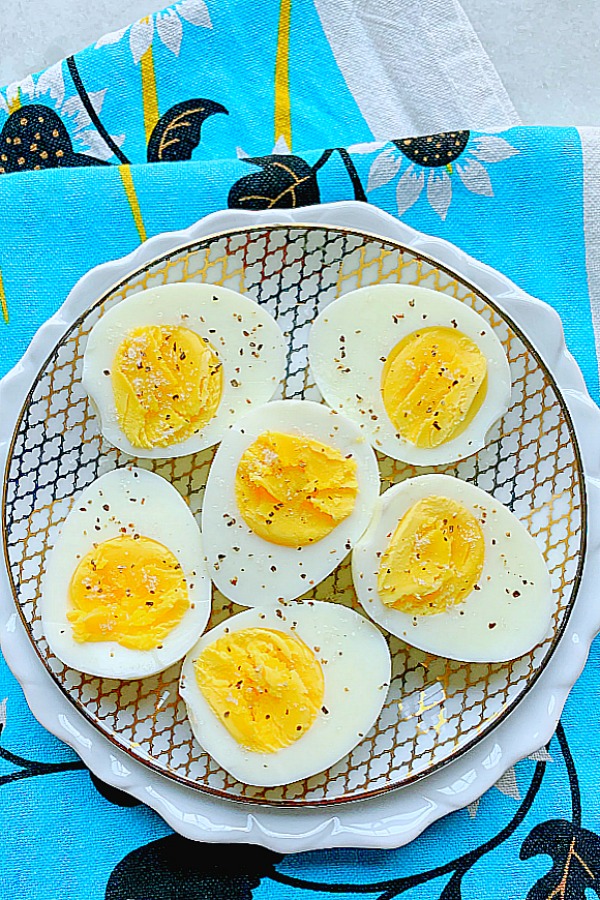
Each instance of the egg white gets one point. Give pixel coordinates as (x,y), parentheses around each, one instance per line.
(513,563)
(245,567)
(236,327)
(356,667)
(143,503)
(372,321)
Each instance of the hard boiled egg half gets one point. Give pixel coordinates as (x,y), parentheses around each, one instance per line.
(422,374)
(126,592)
(452,571)
(278,695)
(171,368)
(291,489)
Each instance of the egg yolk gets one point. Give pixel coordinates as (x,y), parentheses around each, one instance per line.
(293,490)
(433,384)
(129,589)
(265,686)
(167,383)
(434,558)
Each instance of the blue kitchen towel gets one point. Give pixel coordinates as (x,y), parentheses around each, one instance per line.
(246,105)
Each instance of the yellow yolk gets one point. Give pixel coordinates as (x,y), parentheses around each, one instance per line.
(167,383)
(266,687)
(433,383)
(434,558)
(131,590)
(292,490)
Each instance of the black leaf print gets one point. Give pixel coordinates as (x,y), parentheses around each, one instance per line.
(452,890)
(456,868)
(34,137)
(433,150)
(174,868)
(113,795)
(575,853)
(177,133)
(283,182)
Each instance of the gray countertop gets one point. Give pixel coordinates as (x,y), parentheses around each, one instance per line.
(547,53)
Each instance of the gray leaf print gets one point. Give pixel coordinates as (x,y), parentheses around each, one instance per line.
(140,38)
(540,755)
(475,178)
(368,147)
(439,193)
(472,808)
(384,168)
(507,784)
(489,148)
(408,189)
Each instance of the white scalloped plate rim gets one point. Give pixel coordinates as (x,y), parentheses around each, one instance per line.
(399,816)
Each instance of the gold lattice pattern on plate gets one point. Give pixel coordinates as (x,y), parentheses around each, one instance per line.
(436,708)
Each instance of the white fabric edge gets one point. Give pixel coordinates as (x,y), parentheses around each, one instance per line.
(590,145)
(448,82)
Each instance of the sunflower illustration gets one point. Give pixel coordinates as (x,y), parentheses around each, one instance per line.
(167,24)
(48,90)
(432,162)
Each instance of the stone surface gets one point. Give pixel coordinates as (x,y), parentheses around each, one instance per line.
(546,53)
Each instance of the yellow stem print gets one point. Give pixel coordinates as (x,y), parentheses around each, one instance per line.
(126,177)
(283,119)
(3,303)
(16,103)
(149,94)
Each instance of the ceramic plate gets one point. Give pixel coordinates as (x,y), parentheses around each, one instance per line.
(437,710)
